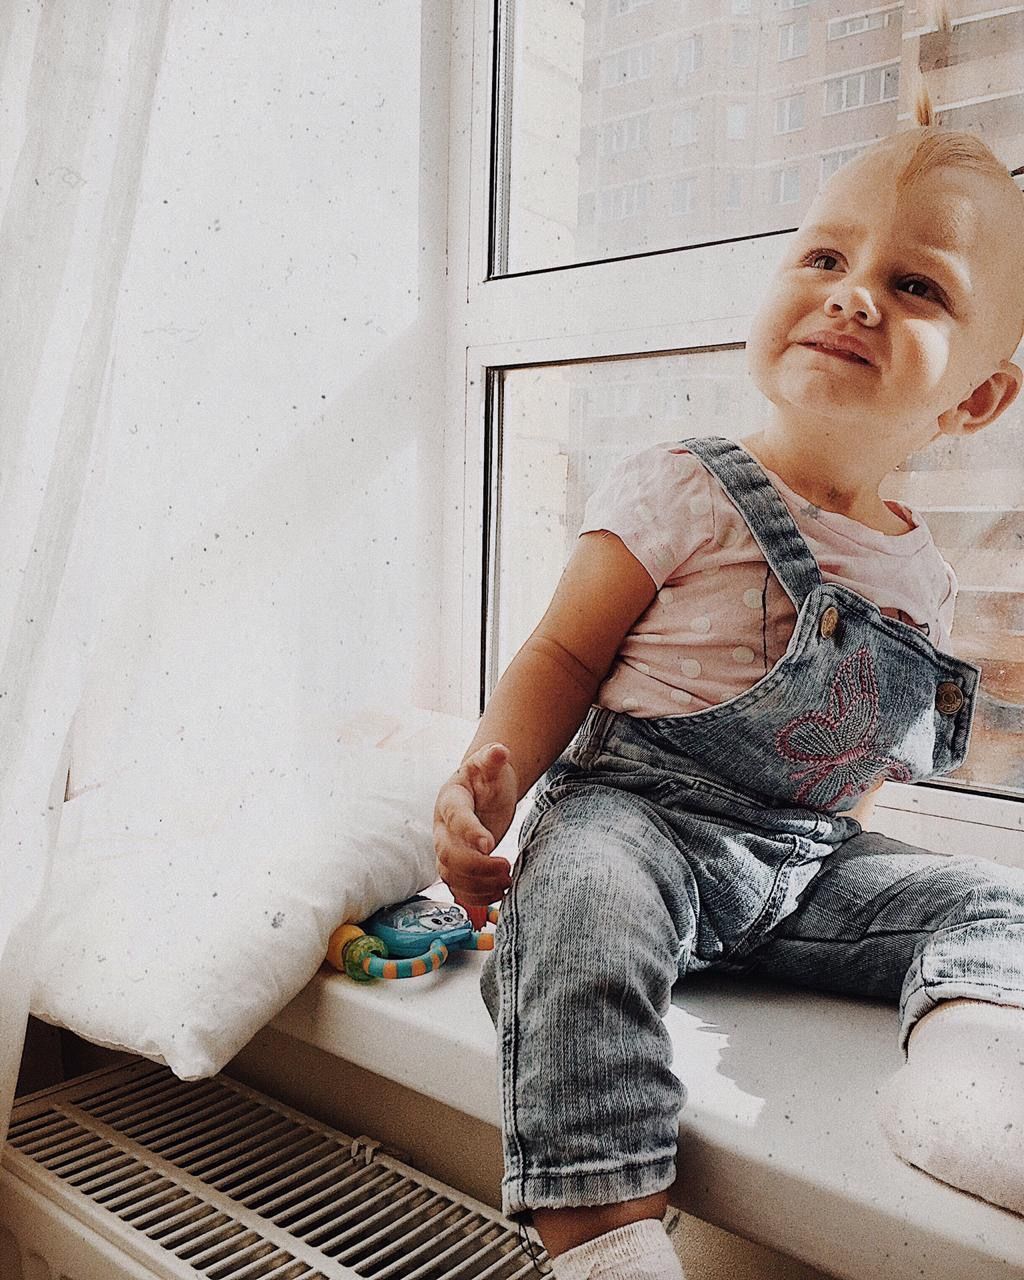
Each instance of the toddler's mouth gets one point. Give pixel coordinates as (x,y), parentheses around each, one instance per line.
(849,356)
(843,348)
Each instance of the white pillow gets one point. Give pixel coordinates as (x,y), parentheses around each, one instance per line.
(183,914)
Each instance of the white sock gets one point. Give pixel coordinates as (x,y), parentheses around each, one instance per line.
(638,1251)
(956,1107)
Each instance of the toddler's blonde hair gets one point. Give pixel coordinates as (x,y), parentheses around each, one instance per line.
(927,147)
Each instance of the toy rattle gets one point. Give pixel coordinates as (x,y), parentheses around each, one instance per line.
(404,941)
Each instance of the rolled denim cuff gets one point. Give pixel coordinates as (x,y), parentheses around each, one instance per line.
(576,1188)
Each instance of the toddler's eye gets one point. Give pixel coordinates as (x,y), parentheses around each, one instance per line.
(918,288)
(822,260)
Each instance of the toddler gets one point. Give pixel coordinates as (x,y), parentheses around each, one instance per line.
(745,642)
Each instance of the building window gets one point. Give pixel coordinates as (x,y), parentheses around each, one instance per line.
(734,190)
(623,202)
(793,38)
(736,121)
(632,133)
(633,63)
(690,55)
(785,188)
(855,24)
(862,89)
(684,126)
(834,161)
(789,113)
(684,194)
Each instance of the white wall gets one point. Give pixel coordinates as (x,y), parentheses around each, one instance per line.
(276,388)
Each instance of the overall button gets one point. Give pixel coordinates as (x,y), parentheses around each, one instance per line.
(948,698)
(829,621)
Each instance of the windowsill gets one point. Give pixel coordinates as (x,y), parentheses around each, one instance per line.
(778,1141)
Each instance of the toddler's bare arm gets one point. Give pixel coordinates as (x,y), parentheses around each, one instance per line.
(537,706)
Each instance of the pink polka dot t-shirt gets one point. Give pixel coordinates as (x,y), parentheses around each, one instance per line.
(721,620)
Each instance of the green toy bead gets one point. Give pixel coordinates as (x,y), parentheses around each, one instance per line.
(357,950)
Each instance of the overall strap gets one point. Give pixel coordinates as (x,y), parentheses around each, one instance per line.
(767,516)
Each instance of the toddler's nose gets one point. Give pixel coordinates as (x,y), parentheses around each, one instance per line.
(854,302)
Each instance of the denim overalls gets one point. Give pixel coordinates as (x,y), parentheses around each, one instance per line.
(662,846)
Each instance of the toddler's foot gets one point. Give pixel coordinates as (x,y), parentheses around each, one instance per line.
(956,1107)
(638,1251)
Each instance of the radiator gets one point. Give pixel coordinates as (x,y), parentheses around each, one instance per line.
(132,1174)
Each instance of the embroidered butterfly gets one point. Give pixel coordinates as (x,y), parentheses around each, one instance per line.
(838,744)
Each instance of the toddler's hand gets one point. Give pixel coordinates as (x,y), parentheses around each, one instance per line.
(473,811)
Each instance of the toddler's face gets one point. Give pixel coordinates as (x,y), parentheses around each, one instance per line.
(890,306)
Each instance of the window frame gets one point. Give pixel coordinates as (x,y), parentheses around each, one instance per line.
(784,108)
(574,313)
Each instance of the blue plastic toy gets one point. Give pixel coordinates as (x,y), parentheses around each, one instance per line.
(404,941)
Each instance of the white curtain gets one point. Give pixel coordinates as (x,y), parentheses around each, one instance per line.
(77,89)
(222,309)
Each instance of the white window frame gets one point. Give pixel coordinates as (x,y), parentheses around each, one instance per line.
(841,156)
(694,42)
(777,179)
(791,36)
(785,110)
(859,75)
(873,20)
(690,113)
(639,64)
(732,113)
(690,182)
(625,200)
(626,133)
(562,315)
(733,179)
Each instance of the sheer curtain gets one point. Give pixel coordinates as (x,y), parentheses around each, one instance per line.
(77,83)
(222,294)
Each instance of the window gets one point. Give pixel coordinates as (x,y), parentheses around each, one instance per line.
(733,191)
(539,363)
(793,39)
(834,161)
(839,28)
(684,127)
(568,131)
(789,113)
(631,133)
(736,120)
(625,65)
(621,202)
(785,185)
(684,194)
(690,56)
(862,89)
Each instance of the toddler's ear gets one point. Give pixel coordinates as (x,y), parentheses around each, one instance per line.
(985,403)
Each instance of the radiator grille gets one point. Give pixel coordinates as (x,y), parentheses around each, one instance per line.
(213,1179)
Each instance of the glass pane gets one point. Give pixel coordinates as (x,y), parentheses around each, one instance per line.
(610,108)
(564,426)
